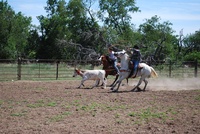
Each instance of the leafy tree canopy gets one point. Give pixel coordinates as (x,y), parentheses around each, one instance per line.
(14,29)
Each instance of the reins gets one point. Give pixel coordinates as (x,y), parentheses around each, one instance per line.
(124,70)
(109,69)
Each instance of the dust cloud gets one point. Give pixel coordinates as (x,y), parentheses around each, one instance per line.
(170,84)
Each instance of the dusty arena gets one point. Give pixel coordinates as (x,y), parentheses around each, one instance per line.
(41,107)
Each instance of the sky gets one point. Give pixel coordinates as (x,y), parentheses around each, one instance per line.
(183,14)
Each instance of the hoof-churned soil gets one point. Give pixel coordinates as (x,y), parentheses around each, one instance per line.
(167,106)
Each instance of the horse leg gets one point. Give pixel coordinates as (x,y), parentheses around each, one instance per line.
(119,83)
(112,88)
(114,80)
(114,85)
(127,80)
(104,83)
(137,86)
(146,82)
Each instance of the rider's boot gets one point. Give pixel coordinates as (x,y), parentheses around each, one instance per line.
(134,73)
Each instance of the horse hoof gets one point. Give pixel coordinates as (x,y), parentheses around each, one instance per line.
(139,90)
(114,91)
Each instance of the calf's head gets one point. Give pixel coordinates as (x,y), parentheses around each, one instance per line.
(76,72)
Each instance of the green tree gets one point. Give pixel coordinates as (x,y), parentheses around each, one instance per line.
(115,14)
(157,39)
(83,26)
(53,27)
(77,19)
(191,47)
(6,17)
(31,50)
(14,29)
(20,32)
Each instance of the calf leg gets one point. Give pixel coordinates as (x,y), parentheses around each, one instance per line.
(82,81)
(96,83)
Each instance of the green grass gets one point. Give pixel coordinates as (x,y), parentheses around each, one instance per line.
(42,103)
(35,105)
(146,115)
(197,98)
(1,102)
(19,114)
(42,71)
(52,104)
(59,117)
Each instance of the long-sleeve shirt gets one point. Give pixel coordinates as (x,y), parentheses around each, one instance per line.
(112,56)
(136,55)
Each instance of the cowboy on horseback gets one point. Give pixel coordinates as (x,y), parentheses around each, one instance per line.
(113,59)
(135,58)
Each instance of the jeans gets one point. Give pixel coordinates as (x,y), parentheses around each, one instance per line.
(115,66)
(135,63)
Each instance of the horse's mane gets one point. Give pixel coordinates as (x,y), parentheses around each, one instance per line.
(107,62)
(107,58)
(127,56)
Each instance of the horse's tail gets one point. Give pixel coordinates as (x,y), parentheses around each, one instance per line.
(153,72)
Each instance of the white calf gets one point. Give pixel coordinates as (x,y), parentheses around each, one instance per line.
(91,75)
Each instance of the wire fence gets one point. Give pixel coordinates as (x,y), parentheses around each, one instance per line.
(28,69)
(41,69)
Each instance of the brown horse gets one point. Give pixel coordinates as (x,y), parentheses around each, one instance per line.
(108,67)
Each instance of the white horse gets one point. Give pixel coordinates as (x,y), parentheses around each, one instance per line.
(145,72)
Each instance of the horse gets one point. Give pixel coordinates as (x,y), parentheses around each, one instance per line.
(108,67)
(144,72)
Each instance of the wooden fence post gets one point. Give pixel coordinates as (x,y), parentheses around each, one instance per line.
(39,70)
(19,62)
(57,69)
(170,68)
(195,68)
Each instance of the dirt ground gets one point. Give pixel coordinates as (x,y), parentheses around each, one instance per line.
(34,107)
